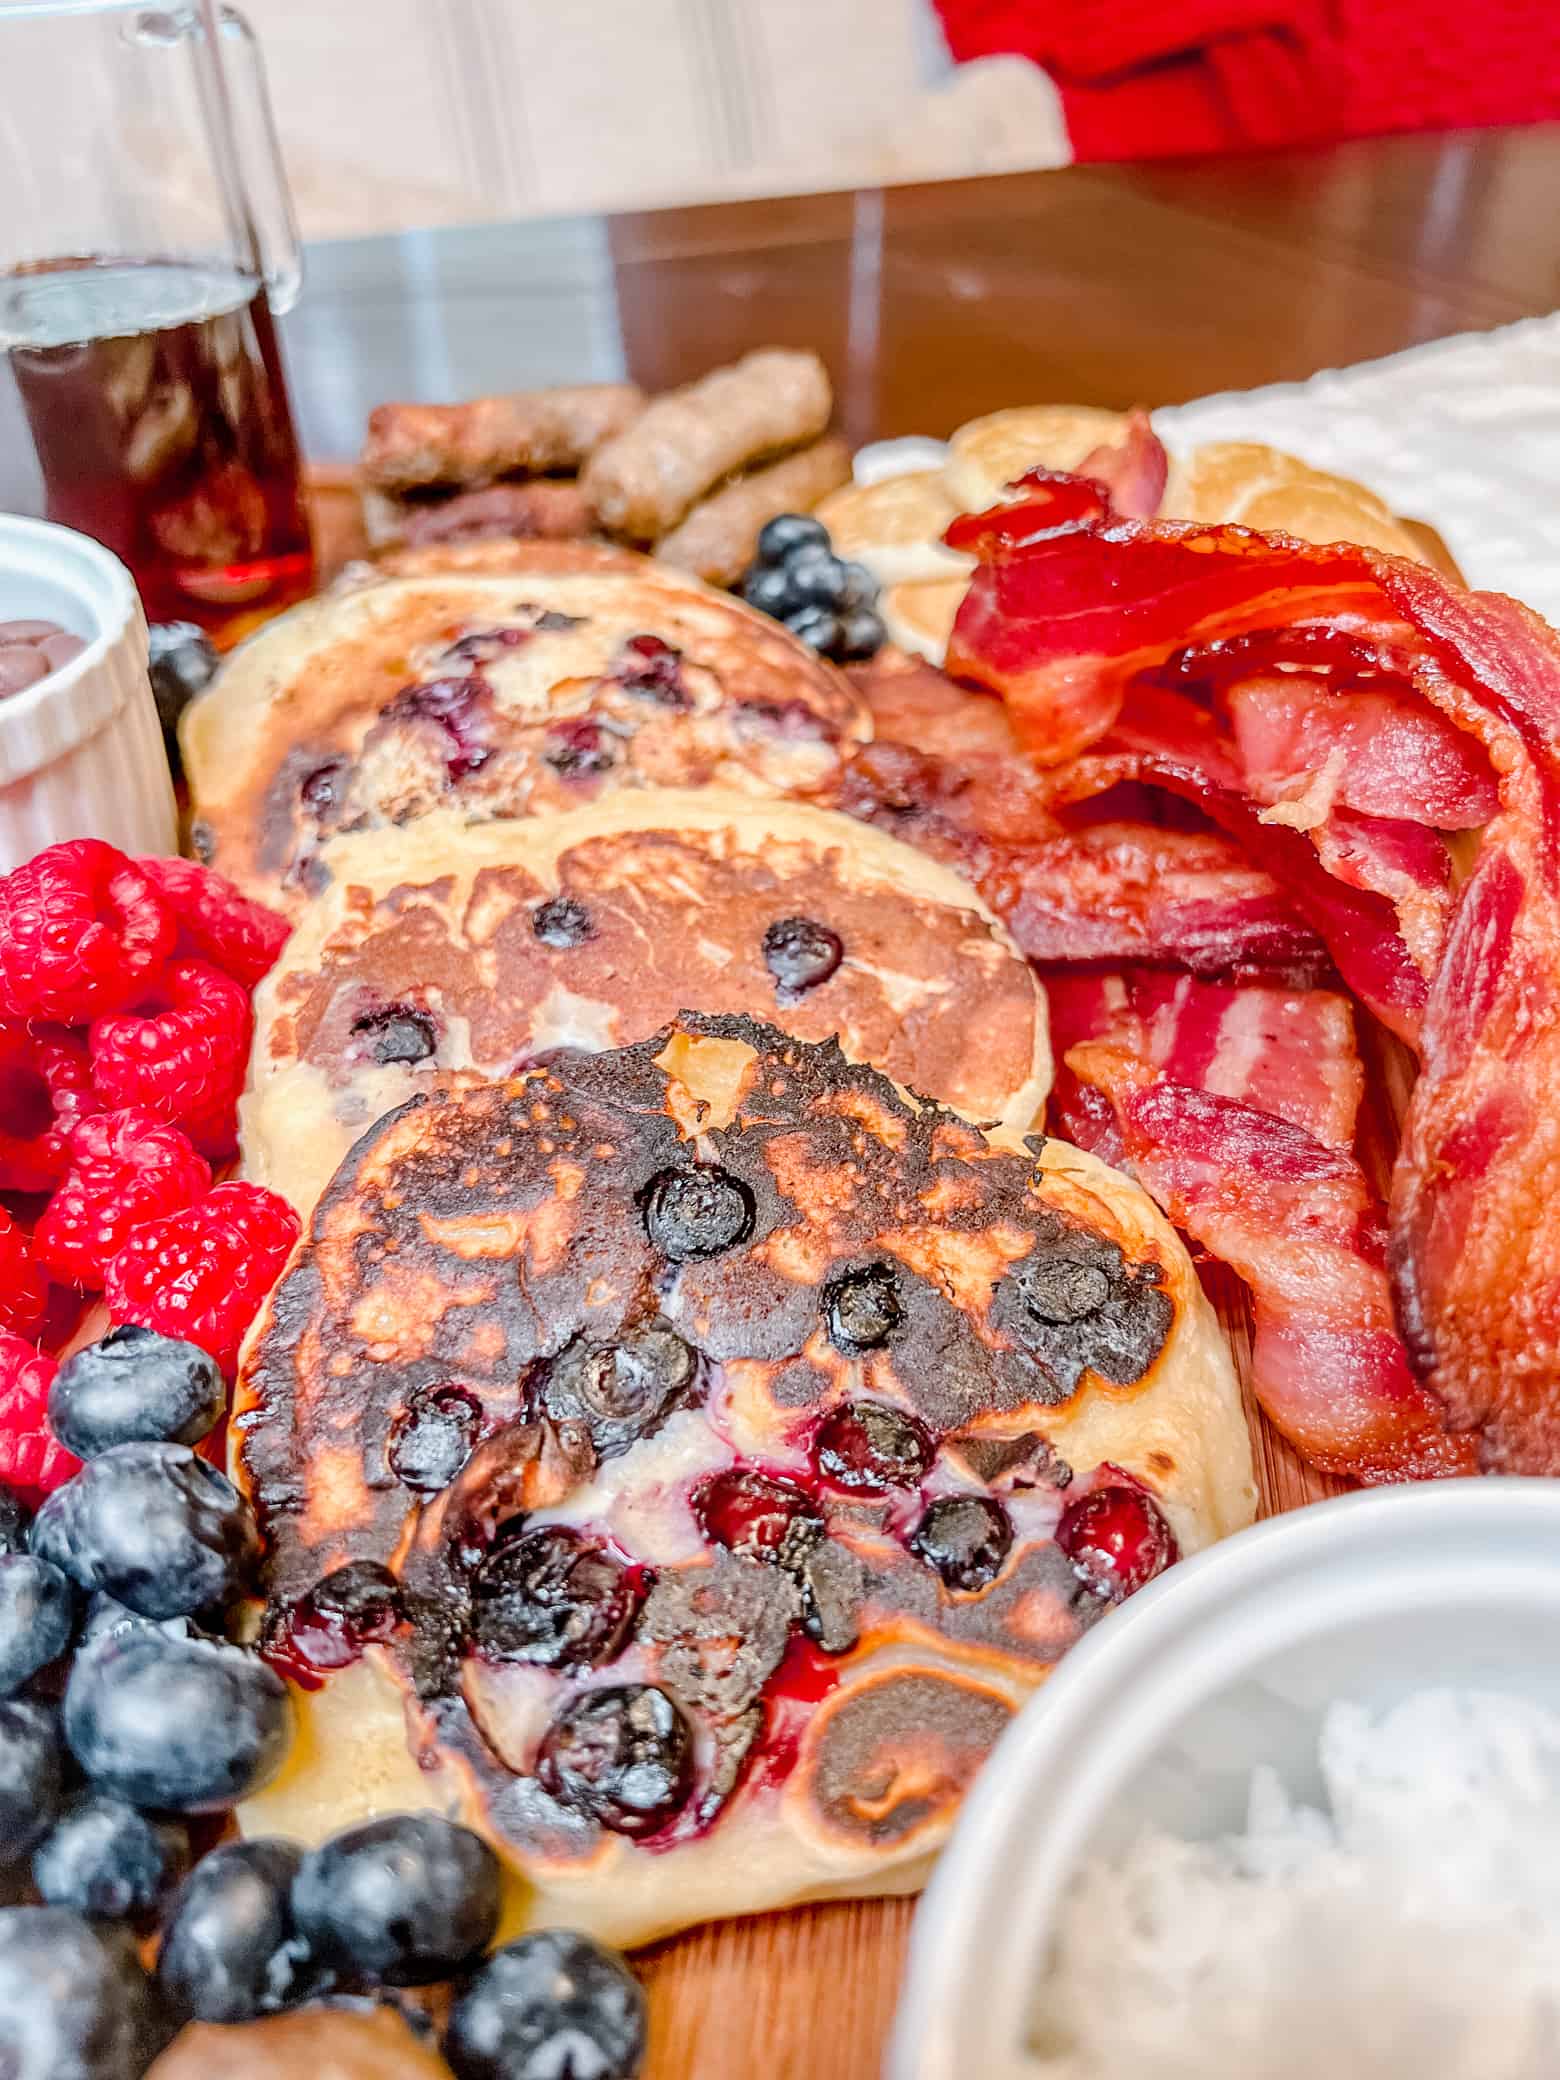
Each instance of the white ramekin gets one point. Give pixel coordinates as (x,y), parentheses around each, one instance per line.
(1162,1712)
(81,753)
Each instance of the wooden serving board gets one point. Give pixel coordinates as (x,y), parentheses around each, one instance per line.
(812,1992)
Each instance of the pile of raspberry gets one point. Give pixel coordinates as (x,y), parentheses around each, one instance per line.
(125,1024)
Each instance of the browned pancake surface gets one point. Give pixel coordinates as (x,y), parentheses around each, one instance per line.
(575,674)
(507,1249)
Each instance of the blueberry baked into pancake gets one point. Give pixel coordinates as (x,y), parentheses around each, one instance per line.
(579,673)
(681,1461)
(446,953)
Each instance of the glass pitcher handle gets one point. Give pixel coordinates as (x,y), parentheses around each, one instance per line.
(246,150)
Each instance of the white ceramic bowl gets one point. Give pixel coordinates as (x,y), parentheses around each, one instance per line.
(81,753)
(1161,1713)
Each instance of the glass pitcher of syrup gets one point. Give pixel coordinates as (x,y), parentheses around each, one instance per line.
(146,245)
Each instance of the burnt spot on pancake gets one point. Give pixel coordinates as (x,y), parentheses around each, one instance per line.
(621,1390)
(1025,1461)
(722,1293)
(721,1630)
(433,1437)
(697,1212)
(834,1589)
(863,1308)
(1078,1305)
(893,1755)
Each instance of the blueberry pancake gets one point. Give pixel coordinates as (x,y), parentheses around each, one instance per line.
(682,1461)
(447,953)
(576,674)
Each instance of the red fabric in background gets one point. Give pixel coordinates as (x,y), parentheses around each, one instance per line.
(1154,78)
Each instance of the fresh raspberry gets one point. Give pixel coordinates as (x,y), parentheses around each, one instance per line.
(63,1061)
(24,1292)
(216,922)
(182,1058)
(82,932)
(126,1168)
(202,1274)
(32,1463)
(33,1155)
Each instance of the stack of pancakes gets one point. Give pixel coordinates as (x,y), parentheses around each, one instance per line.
(576,941)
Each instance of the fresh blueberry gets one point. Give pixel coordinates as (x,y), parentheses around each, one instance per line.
(858,589)
(623,1755)
(229,1950)
(768,588)
(37,1617)
(74,2002)
(965,1538)
(135,1386)
(30,1787)
(182,661)
(105,1618)
(552,2006)
(817,627)
(103,1857)
(160,1529)
(182,1724)
(551,1597)
(818,580)
(783,536)
(400,1901)
(15,1521)
(862,635)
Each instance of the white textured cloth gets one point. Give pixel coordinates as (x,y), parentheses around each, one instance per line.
(1463,433)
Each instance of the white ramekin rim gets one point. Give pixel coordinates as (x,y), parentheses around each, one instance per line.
(969,1977)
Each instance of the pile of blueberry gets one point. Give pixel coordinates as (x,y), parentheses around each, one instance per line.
(829,603)
(182,663)
(129,1718)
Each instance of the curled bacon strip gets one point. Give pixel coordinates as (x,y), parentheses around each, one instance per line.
(1280,685)
(1078,630)
(1296,1220)
(1073,879)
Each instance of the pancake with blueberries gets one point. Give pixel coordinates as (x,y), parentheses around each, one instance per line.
(578,673)
(444,954)
(681,1462)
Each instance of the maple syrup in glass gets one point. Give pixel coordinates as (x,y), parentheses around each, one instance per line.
(158,406)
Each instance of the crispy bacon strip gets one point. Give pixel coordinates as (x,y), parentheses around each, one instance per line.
(1475,1201)
(1289,1052)
(1068,627)
(945,773)
(1297,1221)
(1222,662)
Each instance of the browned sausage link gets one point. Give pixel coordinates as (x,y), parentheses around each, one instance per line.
(717,540)
(552,508)
(537,431)
(643,482)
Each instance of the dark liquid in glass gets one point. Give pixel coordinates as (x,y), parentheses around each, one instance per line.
(159,410)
